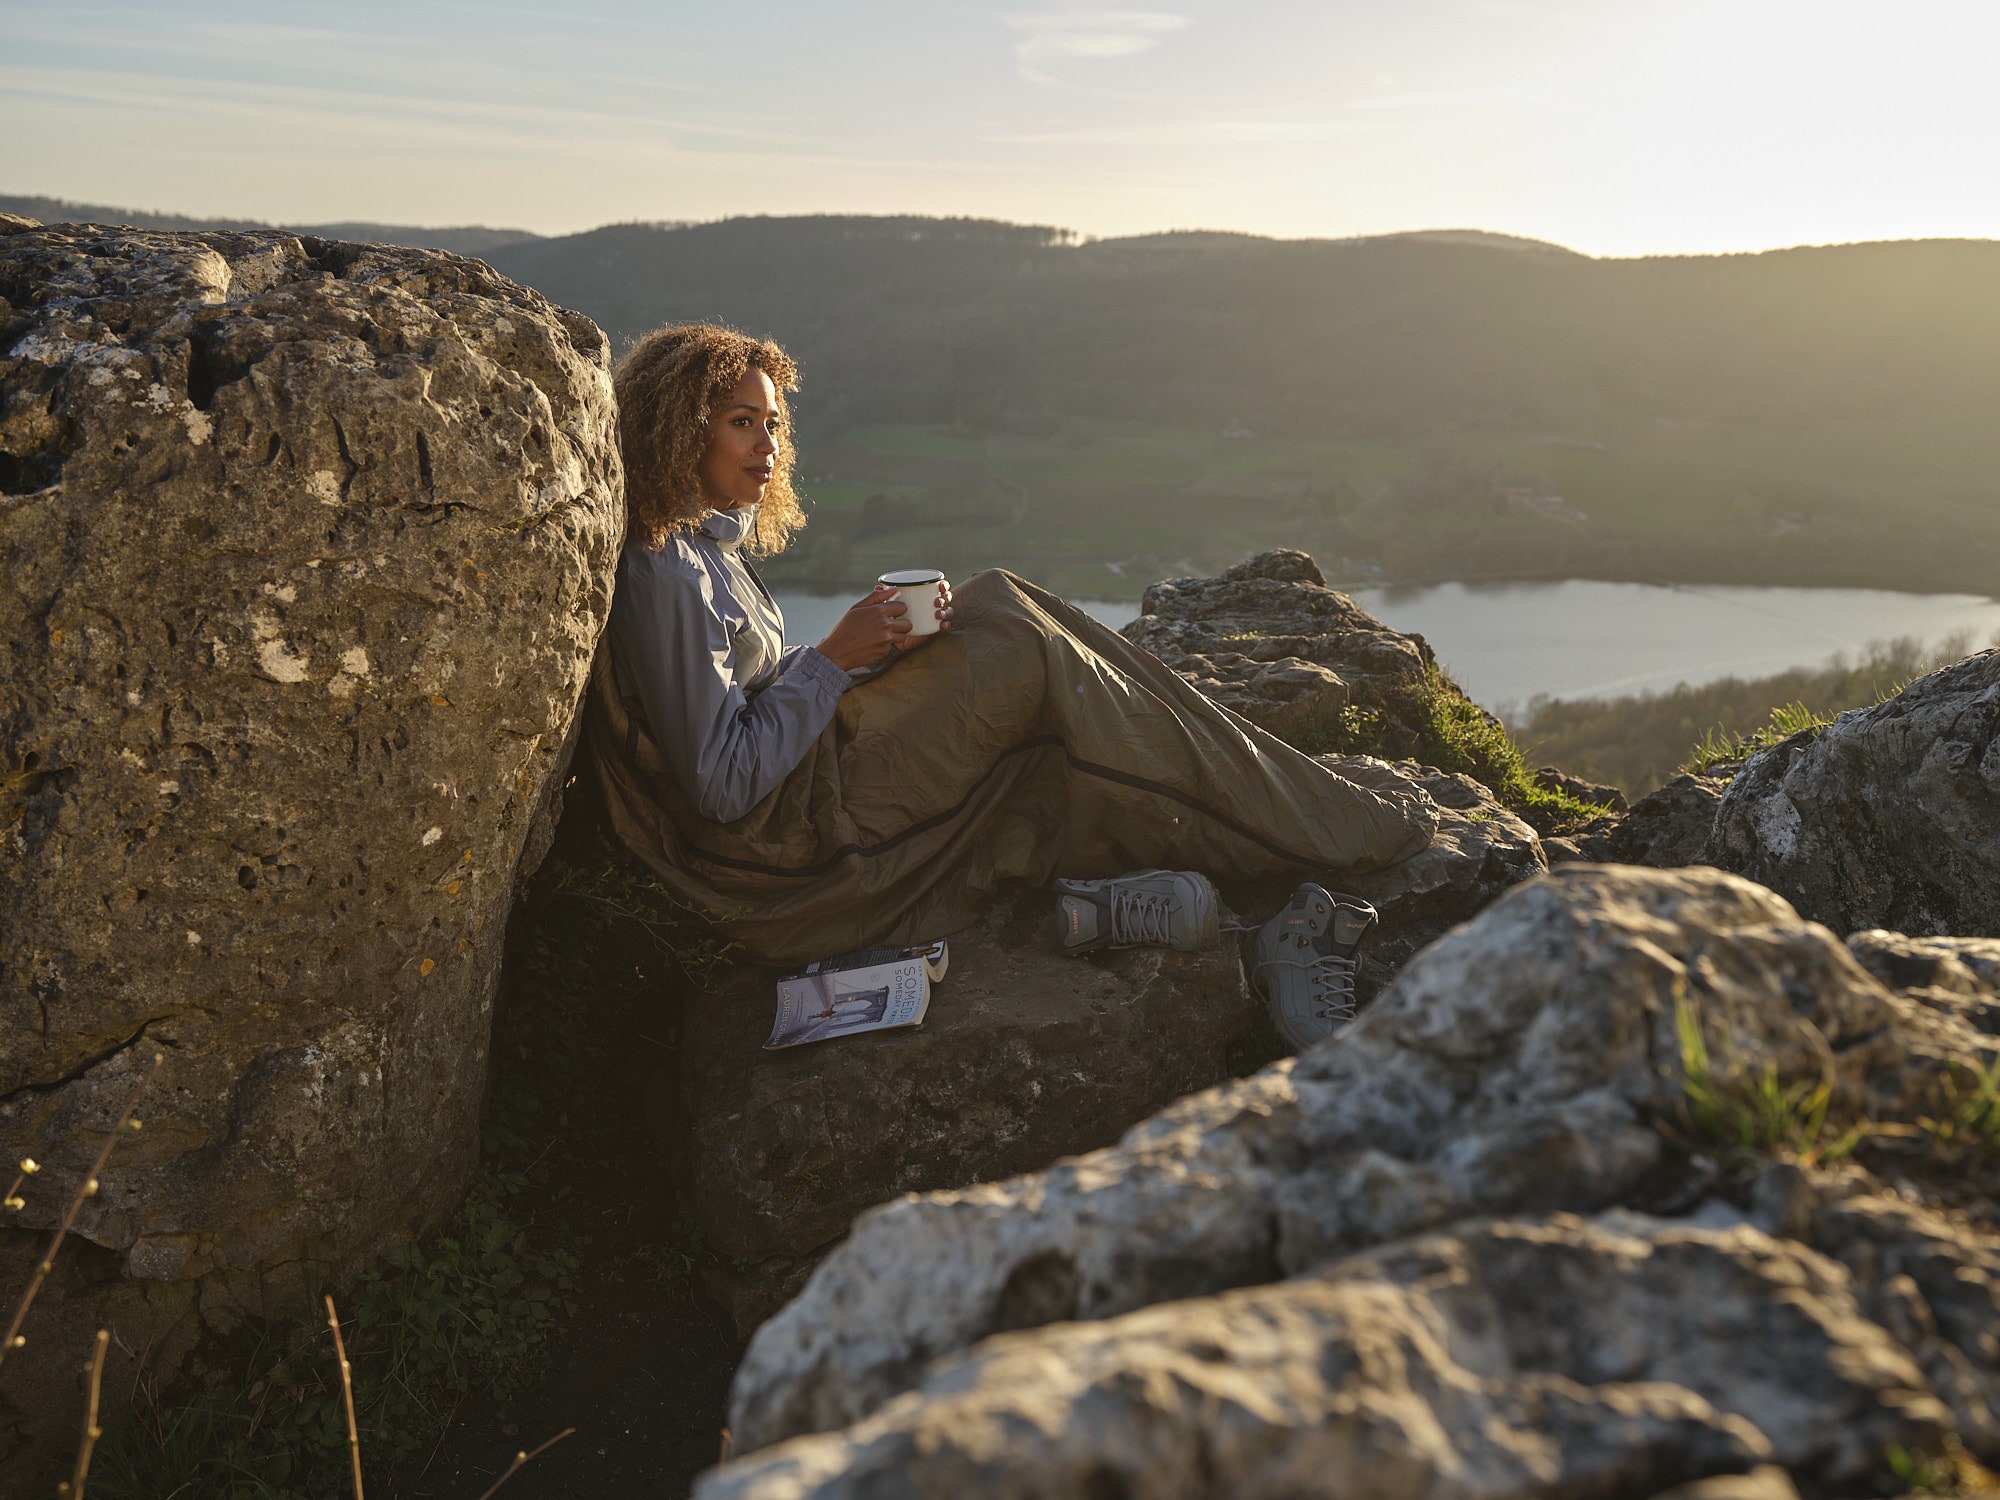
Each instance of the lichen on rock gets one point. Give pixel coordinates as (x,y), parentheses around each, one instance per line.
(1888,817)
(1526,1069)
(306,546)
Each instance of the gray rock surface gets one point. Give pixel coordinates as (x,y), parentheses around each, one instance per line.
(1889,818)
(1269,640)
(1765,1482)
(1515,1066)
(1027,1054)
(1957,976)
(1962,966)
(306,550)
(1480,851)
(1925,1274)
(1557,1357)
(1667,828)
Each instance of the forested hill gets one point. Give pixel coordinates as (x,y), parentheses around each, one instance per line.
(905,320)
(1431,405)
(1435,405)
(462,239)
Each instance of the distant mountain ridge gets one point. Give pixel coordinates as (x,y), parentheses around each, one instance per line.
(1438,404)
(464,239)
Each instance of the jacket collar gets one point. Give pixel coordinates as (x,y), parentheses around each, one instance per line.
(728,528)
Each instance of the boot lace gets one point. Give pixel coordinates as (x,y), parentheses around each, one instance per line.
(1332,977)
(1142,917)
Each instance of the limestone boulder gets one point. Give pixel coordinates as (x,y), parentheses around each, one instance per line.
(1667,828)
(1026,1055)
(1890,817)
(1959,966)
(1926,1274)
(1503,1361)
(1269,640)
(1480,851)
(304,551)
(1517,1065)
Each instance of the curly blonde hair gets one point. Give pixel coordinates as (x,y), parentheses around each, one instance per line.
(669,385)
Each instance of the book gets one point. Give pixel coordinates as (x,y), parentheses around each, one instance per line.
(871,989)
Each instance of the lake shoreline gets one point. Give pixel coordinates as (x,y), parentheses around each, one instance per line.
(1508,643)
(1115,587)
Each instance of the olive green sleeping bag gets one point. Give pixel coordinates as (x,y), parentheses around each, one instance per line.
(1028,742)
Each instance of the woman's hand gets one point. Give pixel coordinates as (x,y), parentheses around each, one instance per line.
(876,626)
(943,617)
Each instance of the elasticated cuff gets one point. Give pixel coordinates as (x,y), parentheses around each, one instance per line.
(820,668)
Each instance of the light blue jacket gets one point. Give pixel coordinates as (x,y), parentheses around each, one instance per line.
(699,640)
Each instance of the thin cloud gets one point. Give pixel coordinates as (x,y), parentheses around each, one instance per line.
(1087,34)
(1452,99)
(1195,133)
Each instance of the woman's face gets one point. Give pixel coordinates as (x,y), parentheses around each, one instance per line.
(742,443)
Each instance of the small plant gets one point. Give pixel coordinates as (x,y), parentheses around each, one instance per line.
(618,891)
(1431,721)
(1754,1112)
(1969,1107)
(431,1326)
(1716,747)
(1949,1471)
(1347,730)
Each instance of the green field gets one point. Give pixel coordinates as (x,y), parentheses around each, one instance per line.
(1101,508)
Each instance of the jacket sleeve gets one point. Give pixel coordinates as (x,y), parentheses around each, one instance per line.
(726,749)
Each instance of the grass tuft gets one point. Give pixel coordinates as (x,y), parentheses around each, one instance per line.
(1754,1112)
(1968,1109)
(1432,721)
(431,1326)
(1716,746)
(1949,1470)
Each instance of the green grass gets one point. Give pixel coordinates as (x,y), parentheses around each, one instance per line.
(1855,504)
(1715,747)
(1433,722)
(1968,1108)
(1754,1111)
(431,1326)
(1949,1470)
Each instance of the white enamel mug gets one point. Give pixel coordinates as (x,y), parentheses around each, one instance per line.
(917,588)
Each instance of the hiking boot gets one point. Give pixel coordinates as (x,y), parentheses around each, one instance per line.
(1306,962)
(1167,908)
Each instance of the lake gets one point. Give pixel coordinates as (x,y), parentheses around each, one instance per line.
(1506,643)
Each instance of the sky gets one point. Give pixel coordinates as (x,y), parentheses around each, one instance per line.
(1616,127)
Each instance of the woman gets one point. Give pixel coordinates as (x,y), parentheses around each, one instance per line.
(823,798)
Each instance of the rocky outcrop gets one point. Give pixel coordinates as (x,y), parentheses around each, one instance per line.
(306,550)
(1889,817)
(1504,1360)
(1959,976)
(1523,1066)
(1027,1054)
(1667,828)
(1555,779)
(1480,851)
(1269,640)
(1959,966)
